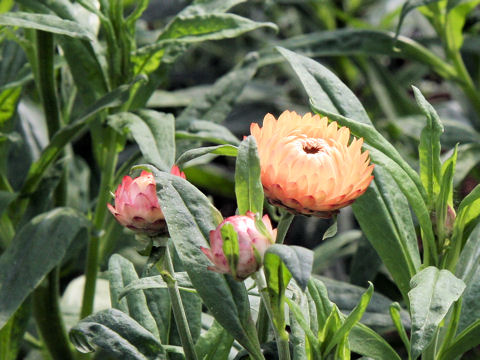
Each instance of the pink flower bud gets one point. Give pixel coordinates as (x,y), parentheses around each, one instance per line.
(250,241)
(136,204)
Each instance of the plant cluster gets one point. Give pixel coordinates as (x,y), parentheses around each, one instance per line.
(110,247)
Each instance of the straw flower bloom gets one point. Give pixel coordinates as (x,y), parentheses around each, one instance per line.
(309,166)
(252,244)
(136,204)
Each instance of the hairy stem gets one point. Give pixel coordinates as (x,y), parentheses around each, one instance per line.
(168,274)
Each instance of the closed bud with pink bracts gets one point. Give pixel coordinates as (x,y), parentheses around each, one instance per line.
(136,204)
(250,243)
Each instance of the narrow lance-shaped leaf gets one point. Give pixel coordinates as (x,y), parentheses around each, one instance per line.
(198,28)
(45,22)
(297,259)
(248,186)
(36,249)
(466,340)
(367,42)
(444,204)
(122,272)
(117,334)
(408,6)
(367,342)
(216,103)
(468,216)
(429,148)
(154,133)
(351,320)
(433,293)
(226,150)
(68,133)
(397,321)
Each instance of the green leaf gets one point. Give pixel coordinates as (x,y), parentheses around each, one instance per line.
(198,28)
(207,131)
(226,150)
(352,319)
(364,42)
(466,162)
(319,295)
(429,148)
(118,335)
(408,6)
(347,296)
(11,335)
(121,274)
(248,186)
(468,216)
(8,103)
(433,293)
(36,249)
(5,199)
(154,132)
(209,7)
(230,247)
(67,134)
(89,74)
(396,247)
(445,199)
(332,229)
(468,269)
(312,338)
(397,321)
(157,282)
(455,21)
(340,245)
(277,276)
(44,22)
(190,217)
(216,103)
(297,259)
(466,340)
(366,342)
(297,336)
(214,344)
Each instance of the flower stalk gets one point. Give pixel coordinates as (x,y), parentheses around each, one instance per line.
(278,324)
(167,271)
(110,161)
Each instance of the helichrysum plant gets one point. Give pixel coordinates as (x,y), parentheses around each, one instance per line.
(221,286)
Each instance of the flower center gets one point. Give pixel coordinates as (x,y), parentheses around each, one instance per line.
(313,146)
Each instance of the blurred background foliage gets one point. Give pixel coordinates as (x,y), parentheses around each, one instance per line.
(352,37)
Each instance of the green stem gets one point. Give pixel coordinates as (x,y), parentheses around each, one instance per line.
(168,274)
(281,336)
(108,172)
(283,225)
(48,316)
(46,80)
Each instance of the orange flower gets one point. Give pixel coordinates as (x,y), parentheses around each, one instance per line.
(308,166)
